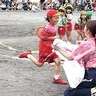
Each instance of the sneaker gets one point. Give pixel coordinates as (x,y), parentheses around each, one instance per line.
(59,81)
(24,54)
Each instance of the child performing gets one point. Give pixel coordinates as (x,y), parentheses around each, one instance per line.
(47,36)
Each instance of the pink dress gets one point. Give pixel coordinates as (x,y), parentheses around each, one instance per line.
(45,49)
(83,52)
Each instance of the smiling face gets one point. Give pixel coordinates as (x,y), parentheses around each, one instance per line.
(53,20)
(68,11)
(83,16)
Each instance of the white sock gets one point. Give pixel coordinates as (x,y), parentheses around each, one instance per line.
(29,56)
(56,76)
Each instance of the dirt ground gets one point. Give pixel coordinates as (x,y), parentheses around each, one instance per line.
(20,77)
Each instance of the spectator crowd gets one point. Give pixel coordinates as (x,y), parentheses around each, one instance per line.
(78,5)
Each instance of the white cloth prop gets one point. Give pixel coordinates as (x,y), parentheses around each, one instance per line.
(73,70)
(74,73)
(65,46)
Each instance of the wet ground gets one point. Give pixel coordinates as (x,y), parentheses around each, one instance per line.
(20,77)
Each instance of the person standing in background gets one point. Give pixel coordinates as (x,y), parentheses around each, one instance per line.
(80,24)
(69,9)
(62,23)
(41,4)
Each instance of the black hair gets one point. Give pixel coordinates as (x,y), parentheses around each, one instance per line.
(87,18)
(91,26)
(69,8)
(81,19)
(41,1)
(47,18)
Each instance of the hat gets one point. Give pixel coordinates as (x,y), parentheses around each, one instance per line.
(69,6)
(83,13)
(62,8)
(89,14)
(52,12)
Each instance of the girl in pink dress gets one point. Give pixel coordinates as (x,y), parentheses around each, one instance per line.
(85,55)
(47,36)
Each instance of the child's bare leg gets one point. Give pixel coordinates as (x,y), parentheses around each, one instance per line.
(78,34)
(29,55)
(69,36)
(57,78)
(83,35)
(34,60)
(57,66)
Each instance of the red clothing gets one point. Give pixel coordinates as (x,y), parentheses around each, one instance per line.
(78,27)
(69,26)
(61,30)
(45,48)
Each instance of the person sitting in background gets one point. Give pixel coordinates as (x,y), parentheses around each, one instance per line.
(34,8)
(41,4)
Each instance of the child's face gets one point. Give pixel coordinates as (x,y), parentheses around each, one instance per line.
(68,11)
(61,13)
(54,20)
(83,16)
